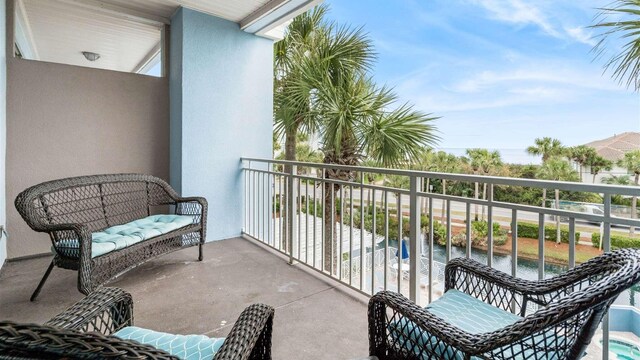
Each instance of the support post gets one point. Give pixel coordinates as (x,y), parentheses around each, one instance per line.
(292,195)
(414,238)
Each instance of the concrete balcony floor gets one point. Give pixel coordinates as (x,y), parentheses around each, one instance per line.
(316,318)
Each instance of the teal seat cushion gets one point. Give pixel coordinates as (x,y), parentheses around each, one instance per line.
(186,347)
(458,309)
(470,314)
(121,236)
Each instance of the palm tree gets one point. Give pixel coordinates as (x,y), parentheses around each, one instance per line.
(359,120)
(446,163)
(322,87)
(597,163)
(621,21)
(546,147)
(580,154)
(485,162)
(557,169)
(424,162)
(310,42)
(631,162)
(617,180)
(624,180)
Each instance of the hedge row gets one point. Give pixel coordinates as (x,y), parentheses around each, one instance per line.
(617,241)
(531,231)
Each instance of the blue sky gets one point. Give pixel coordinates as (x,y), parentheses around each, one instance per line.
(499,72)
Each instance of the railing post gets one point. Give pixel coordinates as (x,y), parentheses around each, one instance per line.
(291,212)
(490,226)
(414,238)
(606,245)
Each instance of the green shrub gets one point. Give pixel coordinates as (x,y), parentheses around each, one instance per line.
(530,231)
(617,242)
(480,232)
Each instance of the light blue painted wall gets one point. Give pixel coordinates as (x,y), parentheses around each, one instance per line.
(3,127)
(221,109)
(624,318)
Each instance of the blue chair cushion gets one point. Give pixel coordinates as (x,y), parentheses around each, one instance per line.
(186,347)
(458,309)
(120,236)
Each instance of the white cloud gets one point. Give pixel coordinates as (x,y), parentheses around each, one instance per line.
(549,17)
(535,83)
(518,12)
(579,34)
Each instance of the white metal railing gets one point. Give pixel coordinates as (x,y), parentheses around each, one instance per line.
(292,212)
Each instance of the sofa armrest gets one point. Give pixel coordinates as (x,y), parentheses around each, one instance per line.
(106,310)
(250,337)
(191,205)
(195,206)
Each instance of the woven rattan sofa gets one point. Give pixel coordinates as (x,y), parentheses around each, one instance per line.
(100,327)
(102,225)
(486,314)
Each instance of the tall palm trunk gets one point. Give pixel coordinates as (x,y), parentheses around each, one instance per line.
(580,170)
(558,232)
(330,230)
(544,197)
(289,154)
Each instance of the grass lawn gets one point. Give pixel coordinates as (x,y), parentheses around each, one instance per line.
(554,253)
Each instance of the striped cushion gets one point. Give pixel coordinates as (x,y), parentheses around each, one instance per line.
(120,236)
(186,347)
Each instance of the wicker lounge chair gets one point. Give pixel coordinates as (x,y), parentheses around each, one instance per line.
(486,314)
(86,331)
(102,225)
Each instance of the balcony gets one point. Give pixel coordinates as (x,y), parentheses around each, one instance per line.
(319,291)
(290,211)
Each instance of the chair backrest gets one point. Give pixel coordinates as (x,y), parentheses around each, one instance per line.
(584,294)
(31,341)
(97,201)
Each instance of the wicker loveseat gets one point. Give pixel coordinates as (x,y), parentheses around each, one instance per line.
(486,314)
(94,328)
(102,225)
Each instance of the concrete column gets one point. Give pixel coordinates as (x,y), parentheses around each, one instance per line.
(221,100)
(3,124)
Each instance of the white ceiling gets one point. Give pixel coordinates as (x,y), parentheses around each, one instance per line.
(234,10)
(61,31)
(124,32)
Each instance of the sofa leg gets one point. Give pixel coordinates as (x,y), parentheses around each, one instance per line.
(44,278)
(200,252)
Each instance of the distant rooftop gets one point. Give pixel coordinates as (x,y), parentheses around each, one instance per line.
(614,148)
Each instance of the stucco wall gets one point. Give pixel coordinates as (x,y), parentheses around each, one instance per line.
(66,121)
(3,127)
(222,104)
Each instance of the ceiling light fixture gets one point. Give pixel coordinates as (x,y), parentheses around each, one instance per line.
(91,56)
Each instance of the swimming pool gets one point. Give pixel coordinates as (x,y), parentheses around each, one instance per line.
(623,350)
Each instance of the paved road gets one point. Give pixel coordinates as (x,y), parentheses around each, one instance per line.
(458,209)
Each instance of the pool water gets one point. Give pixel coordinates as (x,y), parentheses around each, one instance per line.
(624,350)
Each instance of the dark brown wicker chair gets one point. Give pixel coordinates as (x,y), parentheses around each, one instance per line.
(556,318)
(83,332)
(70,210)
